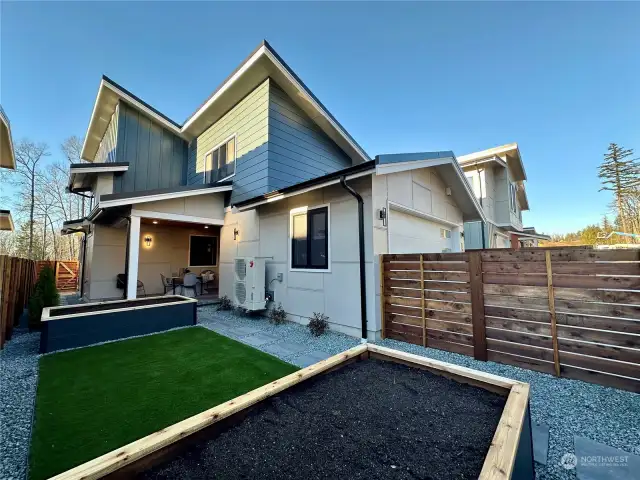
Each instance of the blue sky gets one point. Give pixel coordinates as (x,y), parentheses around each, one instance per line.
(561,79)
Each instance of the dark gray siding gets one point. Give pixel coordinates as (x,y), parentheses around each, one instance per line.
(298,149)
(277,144)
(157,158)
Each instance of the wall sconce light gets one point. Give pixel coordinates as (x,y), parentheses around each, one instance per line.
(147,240)
(235,233)
(382,215)
(155,222)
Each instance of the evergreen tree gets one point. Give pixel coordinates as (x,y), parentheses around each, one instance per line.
(621,175)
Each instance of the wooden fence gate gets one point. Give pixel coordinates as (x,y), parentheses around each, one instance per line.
(565,311)
(66,273)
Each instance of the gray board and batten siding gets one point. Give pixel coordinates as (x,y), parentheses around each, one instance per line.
(277,145)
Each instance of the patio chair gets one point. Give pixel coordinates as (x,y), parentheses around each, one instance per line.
(167,283)
(121,283)
(190,282)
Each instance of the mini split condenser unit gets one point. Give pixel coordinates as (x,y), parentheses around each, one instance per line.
(248,284)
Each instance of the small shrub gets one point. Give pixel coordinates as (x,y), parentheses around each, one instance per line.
(277,315)
(225,303)
(45,294)
(318,324)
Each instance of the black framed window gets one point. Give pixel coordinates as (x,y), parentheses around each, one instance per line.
(310,239)
(203,251)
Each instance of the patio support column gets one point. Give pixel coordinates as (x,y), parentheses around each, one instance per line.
(134,253)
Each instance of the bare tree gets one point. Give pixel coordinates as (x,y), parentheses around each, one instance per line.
(28,157)
(72,149)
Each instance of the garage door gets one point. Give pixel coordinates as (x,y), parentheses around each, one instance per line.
(411,234)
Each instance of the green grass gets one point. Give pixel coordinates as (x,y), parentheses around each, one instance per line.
(93,400)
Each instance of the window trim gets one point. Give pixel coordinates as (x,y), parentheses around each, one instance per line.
(235,155)
(305,209)
(217,237)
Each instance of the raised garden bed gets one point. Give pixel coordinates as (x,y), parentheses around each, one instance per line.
(89,323)
(363,420)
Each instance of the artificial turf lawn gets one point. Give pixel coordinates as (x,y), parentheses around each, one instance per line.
(96,399)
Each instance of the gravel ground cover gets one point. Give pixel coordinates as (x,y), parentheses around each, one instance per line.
(18,383)
(370,419)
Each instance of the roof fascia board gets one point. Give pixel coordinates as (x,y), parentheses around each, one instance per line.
(467,187)
(96,169)
(388,168)
(5,120)
(276,197)
(162,196)
(531,235)
(494,159)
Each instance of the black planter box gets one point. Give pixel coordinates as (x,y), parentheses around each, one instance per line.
(85,324)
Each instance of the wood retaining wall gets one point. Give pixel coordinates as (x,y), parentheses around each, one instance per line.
(568,312)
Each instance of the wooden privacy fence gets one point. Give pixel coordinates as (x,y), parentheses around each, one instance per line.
(568,312)
(17,278)
(66,272)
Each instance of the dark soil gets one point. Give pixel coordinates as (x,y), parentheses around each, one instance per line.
(101,307)
(370,419)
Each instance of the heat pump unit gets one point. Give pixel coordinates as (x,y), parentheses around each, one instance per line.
(248,283)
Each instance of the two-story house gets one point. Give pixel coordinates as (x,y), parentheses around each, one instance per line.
(7,160)
(497,176)
(262,169)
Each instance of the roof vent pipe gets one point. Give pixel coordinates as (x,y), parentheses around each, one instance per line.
(363,285)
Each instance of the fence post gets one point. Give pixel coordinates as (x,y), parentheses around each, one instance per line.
(424,320)
(477,307)
(382,319)
(552,310)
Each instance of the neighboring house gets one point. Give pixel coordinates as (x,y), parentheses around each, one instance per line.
(7,160)
(497,176)
(260,169)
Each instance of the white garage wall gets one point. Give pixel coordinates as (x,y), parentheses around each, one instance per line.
(421,190)
(265,233)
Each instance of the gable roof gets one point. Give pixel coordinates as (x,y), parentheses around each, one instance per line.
(509,153)
(261,64)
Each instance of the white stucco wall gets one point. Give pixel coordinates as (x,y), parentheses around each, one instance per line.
(105,259)
(265,232)
(205,206)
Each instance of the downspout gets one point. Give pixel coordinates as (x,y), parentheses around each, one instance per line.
(482,224)
(84,261)
(363,285)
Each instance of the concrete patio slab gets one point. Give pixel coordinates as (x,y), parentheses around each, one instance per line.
(311,357)
(596,461)
(540,443)
(284,349)
(259,339)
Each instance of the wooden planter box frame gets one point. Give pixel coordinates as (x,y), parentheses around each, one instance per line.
(510,454)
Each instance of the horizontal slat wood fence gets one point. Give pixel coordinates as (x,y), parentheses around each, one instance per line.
(66,273)
(17,279)
(568,312)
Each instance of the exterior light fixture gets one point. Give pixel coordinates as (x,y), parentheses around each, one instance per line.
(382,215)
(235,233)
(147,240)
(206,226)
(155,222)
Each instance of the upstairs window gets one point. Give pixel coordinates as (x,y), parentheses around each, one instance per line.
(512,197)
(310,239)
(220,163)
